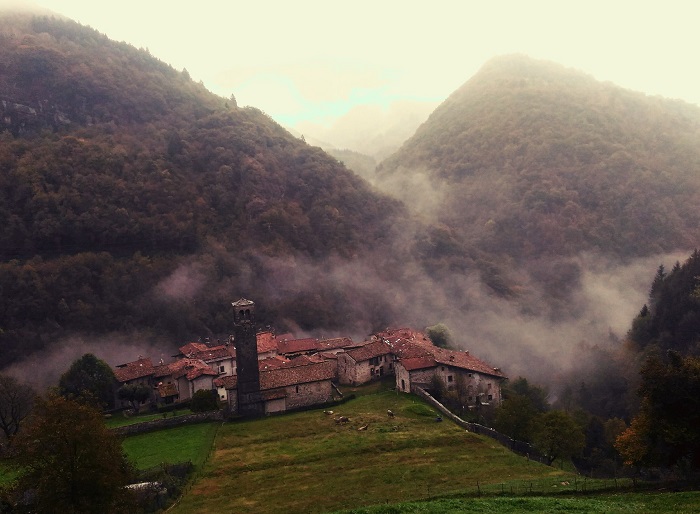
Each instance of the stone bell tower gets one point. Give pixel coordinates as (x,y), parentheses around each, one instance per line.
(245,339)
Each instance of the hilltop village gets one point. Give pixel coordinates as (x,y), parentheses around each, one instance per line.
(260,372)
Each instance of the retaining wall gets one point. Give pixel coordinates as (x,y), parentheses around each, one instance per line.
(158,424)
(519,447)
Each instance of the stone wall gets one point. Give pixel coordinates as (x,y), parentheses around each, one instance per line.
(518,447)
(305,395)
(159,424)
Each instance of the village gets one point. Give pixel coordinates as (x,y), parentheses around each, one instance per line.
(259,372)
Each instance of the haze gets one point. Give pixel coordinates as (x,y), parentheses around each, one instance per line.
(314,61)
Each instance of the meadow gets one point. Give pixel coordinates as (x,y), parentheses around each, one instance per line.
(180,444)
(602,503)
(306,462)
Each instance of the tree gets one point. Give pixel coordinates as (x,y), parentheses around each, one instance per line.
(16,402)
(90,380)
(557,435)
(204,400)
(514,417)
(72,460)
(135,394)
(666,430)
(536,394)
(440,335)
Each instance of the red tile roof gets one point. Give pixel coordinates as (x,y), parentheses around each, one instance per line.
(171,368)
(297,345)
(335,343)
(369,350)
(227,382)
(464,360)
(272,363)
(294,375)
(266,342)
(191,369)
(406,349)
(415,363)
(198,372)
(214,353)
(404,333)
(133,370)
(189,348)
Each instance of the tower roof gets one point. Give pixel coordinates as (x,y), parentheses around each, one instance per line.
(243,303)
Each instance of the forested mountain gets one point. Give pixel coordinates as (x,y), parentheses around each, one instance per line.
(529,159)
(671,318)
(129,194)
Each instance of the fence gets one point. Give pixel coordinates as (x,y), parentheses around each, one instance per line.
(519,447)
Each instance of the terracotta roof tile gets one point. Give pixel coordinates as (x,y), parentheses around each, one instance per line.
(191,369)
(214,353)
(189,348)
(294,375)
(266,342)
(369,350)
(297,345)
(271,363)
(227,382)
(406,349)
(198,372)
(133,370)
(464,360)
(335,343)
(415,363)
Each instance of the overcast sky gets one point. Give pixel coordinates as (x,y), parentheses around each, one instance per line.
(315,59)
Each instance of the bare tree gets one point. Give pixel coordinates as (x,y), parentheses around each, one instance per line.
(16,401)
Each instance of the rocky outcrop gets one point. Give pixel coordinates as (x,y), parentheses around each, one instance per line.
(22,118)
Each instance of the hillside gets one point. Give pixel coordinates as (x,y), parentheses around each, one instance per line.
(305,462)
(529,159)
(129,194)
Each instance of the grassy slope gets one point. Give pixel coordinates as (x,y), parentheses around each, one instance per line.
(648,503)
(180,444)
(305,462)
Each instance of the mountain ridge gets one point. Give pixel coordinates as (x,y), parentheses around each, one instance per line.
(542,150)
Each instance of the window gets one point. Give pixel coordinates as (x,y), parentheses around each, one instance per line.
(222,369)
(449,378)
(442,368)
(490,397)
(297,389)
(470,375)
(488,386)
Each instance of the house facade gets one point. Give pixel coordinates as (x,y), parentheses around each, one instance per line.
(288,385)
(365,363)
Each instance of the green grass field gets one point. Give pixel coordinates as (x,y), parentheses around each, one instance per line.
(180,444)
(642,503)
(305,462)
